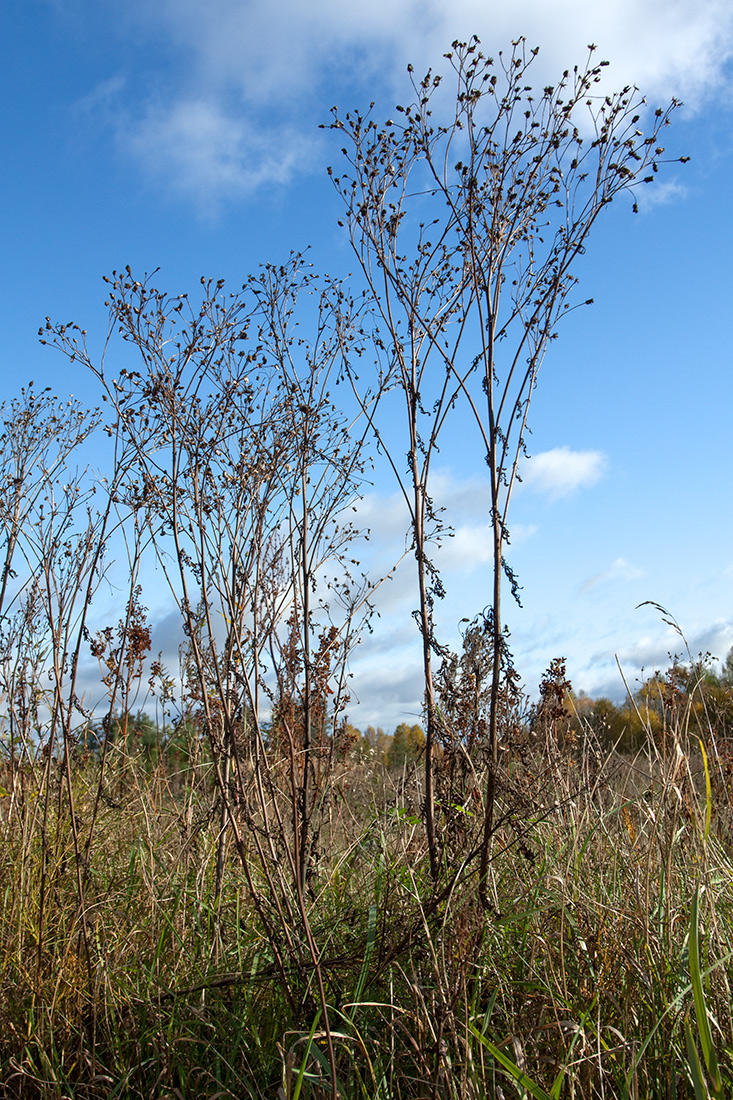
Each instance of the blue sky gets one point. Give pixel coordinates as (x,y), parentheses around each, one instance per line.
(183,135)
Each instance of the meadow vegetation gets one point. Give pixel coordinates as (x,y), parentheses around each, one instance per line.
(212,884)
(135,965)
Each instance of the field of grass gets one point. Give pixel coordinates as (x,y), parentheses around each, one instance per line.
(141,956)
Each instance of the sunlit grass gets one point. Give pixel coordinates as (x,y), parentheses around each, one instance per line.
(603,970)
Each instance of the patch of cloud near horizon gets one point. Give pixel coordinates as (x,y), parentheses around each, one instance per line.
(245,65)
(562,471)
(652,651)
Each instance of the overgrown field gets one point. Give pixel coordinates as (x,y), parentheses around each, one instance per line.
(131,966)
(250,899)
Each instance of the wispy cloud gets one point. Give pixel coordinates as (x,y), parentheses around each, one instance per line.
(269,48)
(599,674)
(471,547)
(463,547)
(244,71)
(390,692)
(562,471)
(104,98)
(661,194)
(619,570)
(194,147)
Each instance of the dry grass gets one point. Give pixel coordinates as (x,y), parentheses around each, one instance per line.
(581,976)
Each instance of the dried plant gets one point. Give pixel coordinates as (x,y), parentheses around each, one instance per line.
(243,469)
(467,233)
(228,902)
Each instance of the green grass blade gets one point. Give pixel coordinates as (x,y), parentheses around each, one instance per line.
(701,1012)
(511,1067)
(371,940)
(306,1055)
(693,1060)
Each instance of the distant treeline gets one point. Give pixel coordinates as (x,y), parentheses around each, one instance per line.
(692,693)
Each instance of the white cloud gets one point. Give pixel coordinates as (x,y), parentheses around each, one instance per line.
(250,75)
(620,569)
(104,97)
(661,194)
(599,674)
(562,471)
(271,48)
(386,516)
(466,503)
(471,546)
(666,47)
(193,146)
(390,693)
